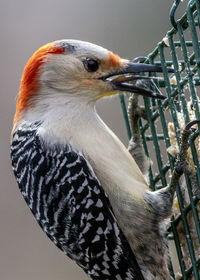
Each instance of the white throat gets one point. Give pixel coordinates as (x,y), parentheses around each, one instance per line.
(77,123)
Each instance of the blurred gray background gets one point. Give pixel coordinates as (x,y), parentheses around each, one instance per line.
(130,28)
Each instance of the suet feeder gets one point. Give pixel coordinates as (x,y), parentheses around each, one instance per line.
(160,133)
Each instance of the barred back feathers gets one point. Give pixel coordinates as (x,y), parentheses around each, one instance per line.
(68,202)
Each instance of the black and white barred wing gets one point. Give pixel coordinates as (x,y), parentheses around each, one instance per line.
(68,202)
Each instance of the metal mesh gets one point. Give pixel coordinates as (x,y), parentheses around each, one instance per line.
(180,48)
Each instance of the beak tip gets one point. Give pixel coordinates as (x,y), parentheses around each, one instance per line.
(157,95)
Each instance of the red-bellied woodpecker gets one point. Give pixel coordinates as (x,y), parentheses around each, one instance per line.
(81,183)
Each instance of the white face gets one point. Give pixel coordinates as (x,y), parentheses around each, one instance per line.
(68,72)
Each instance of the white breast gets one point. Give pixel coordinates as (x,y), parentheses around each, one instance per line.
(79,125)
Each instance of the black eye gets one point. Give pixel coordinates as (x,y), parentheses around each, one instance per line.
(91,65)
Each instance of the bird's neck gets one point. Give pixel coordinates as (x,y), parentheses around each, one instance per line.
(78,124)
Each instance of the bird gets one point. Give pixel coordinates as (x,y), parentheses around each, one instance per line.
(81,183)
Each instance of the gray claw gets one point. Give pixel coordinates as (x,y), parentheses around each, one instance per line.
(190,124)
(139,59)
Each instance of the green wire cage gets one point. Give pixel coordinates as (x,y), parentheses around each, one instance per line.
(160,133)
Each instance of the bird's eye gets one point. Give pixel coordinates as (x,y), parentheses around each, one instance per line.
(91,65)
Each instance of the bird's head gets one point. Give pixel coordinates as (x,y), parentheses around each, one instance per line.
(79,70)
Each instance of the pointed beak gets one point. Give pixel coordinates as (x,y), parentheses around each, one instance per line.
(126,79)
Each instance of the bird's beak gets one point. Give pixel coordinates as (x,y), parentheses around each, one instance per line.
(126,77)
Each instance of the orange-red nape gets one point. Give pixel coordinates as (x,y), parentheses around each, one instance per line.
(29,81)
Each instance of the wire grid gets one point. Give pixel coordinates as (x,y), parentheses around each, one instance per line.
(180,49)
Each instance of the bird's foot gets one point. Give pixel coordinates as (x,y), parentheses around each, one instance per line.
(181,165)
(134,113)
(135,146)
(194,183)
